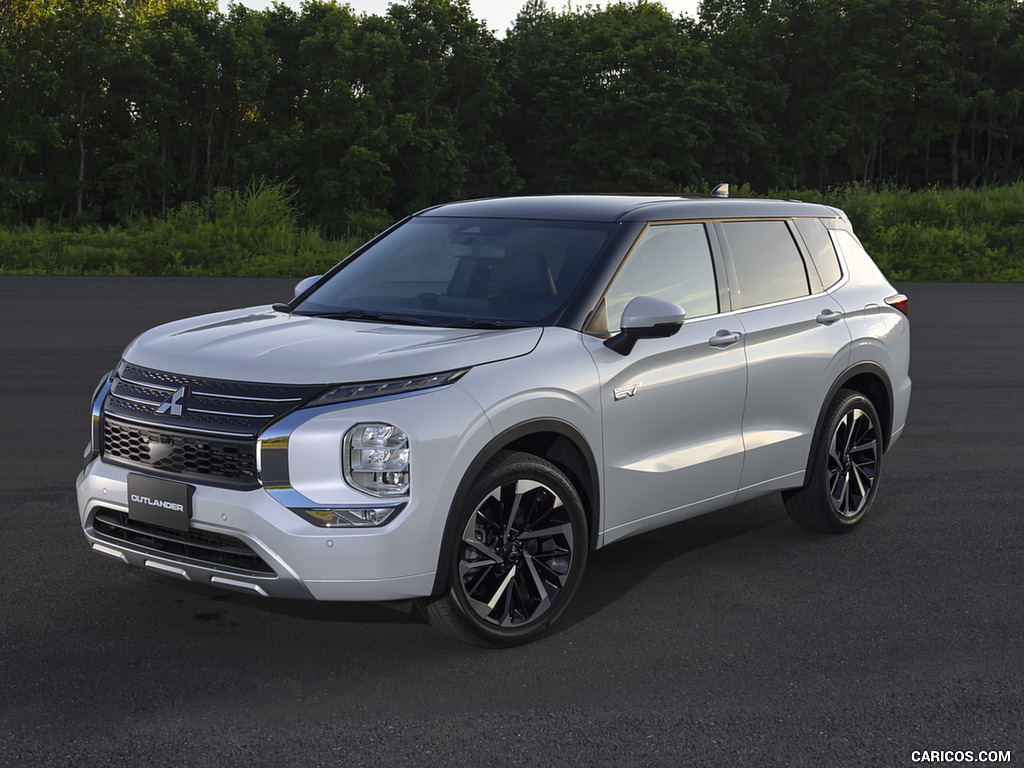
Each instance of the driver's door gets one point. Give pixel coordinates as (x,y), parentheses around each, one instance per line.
(672,409)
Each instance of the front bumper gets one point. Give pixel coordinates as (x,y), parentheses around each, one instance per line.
(300,560)
(250,541)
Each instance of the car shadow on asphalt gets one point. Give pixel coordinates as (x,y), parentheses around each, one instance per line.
(619,568)
(612,572)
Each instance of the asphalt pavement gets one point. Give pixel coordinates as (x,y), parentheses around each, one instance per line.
(734,639)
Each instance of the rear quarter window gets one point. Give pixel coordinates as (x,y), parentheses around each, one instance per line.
(823,253)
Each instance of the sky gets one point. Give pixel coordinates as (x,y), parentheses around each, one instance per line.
(498,14)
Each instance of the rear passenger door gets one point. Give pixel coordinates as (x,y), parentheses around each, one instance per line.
(796,342)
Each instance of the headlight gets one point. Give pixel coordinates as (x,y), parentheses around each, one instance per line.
(346,393)
(376,458)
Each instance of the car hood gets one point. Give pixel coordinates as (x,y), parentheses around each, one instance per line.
(260,344)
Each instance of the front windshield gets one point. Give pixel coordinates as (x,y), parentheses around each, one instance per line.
(464,272)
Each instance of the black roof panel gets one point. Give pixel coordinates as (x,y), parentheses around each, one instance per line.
(610,208)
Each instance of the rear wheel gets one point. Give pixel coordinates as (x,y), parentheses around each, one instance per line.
(845,468)
(519,556)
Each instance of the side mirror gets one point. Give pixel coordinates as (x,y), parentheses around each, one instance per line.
(305,285)
(646,318)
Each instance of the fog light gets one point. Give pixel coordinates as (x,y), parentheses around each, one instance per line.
(349,517)
(375,458)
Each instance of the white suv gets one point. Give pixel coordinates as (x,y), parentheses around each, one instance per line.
(457,414)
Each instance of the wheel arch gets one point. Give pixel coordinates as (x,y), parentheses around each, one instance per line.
(871,380)
(551,439)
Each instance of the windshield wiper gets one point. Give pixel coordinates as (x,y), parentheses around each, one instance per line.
(365,314)
(481,323)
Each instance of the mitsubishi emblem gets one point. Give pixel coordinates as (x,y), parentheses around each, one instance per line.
(175,404)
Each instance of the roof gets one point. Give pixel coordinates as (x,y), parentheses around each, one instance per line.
(613,208)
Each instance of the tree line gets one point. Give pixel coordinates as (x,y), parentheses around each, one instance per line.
(116,109)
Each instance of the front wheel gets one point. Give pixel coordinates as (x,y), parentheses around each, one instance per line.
(845,468)
(519,556)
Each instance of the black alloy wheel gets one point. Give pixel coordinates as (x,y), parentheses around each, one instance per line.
(845,469)
(520,555)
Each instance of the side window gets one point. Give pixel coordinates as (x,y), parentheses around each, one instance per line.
(767,262)
(823,253)
(670,262)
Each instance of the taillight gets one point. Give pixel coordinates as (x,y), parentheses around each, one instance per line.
(900,302)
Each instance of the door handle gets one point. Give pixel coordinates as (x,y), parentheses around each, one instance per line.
(724,339)
(828,317)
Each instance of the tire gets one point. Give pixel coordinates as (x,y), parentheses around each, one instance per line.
(844,470)
(518,554)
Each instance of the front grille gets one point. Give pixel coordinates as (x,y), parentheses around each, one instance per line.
(221,460)
(194,404)
(190,427)
(202,547)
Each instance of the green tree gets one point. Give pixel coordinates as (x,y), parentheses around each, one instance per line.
(447,96)
(31,124)
(180,96)
(346,139)
(622,98)
(750,41)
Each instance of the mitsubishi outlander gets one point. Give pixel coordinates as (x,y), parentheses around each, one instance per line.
(457,414)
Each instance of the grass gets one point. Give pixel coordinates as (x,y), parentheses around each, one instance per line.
(955,235)
(963,235)
(251,233)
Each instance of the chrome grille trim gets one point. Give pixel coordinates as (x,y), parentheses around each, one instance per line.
(192,428)
(140,401)
(199,404)
(251,399)
(218,395)
(232,413)
(144,384)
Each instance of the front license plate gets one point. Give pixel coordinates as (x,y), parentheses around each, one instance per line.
(159,502)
